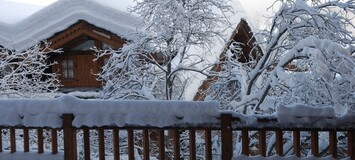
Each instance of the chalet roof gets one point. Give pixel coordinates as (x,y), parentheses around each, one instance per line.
(59,16)
(239,15)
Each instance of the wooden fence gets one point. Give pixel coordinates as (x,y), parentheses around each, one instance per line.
(226,128)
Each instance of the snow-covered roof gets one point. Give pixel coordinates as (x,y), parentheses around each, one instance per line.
(59,16)
(216,49)
(12,12)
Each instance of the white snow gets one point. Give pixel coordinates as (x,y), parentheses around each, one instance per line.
(59,16)
(243,157)
(48,112)
(31,156)
(301,114)
(15,12)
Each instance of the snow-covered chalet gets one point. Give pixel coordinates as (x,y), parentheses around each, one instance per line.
(75,26)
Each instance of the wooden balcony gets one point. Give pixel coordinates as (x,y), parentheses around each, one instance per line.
(228,129)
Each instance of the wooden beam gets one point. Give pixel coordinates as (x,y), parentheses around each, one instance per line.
(333,143)
(226,135)
(84,28)
(116,144)
(146,150)
(176,141)
(161,144)
(0,139)
(40,140)
(130,144)
(351,144)
(314,143)
(54,139)
(262,142)
(12,140)
(86,137)
(192,144)
(279,142)
(26,140)
(69,137)
(297,142)
(245,141)
(101,137)
(208,142)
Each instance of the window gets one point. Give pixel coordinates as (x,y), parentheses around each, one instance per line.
(67,69)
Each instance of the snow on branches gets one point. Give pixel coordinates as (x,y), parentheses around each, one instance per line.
(23,74)
(174,38)
(307,58)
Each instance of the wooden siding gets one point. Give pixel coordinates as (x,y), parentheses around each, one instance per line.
(84,66)
(84,70)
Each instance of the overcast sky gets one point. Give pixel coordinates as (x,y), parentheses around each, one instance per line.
(256,9)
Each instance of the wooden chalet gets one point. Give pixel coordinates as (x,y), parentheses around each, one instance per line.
(76,66)
(242,34)
(74,26)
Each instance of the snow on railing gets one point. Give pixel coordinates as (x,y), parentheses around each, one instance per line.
(48,112)
(65,118)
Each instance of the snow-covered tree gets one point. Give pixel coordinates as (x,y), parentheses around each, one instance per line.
(308,57)
(174,38)
(23,73)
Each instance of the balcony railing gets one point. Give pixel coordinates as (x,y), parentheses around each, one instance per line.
(229,128)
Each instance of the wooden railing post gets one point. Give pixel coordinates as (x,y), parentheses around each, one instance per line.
(130,144)
(54,139)
(101,135)
(227,139)
(161,144)
(297,142)
(0,140)
(279,142)
(208,141)
(13,140)
(314,143)
(146,150)
(176,139)
(351,144)
(192,143)
(86,136)
(40,140)
(26,140)
(69,137)
(116,144)
(262,142)
(245,141)
(333,143)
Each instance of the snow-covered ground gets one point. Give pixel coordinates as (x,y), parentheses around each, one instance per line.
(31,156)
(283,158)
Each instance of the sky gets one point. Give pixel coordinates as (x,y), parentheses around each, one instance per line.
(256,9)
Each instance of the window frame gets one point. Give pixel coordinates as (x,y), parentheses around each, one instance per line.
(67,71)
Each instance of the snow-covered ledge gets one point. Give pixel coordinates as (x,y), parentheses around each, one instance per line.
(97,113)
(48,112)
(296,116)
